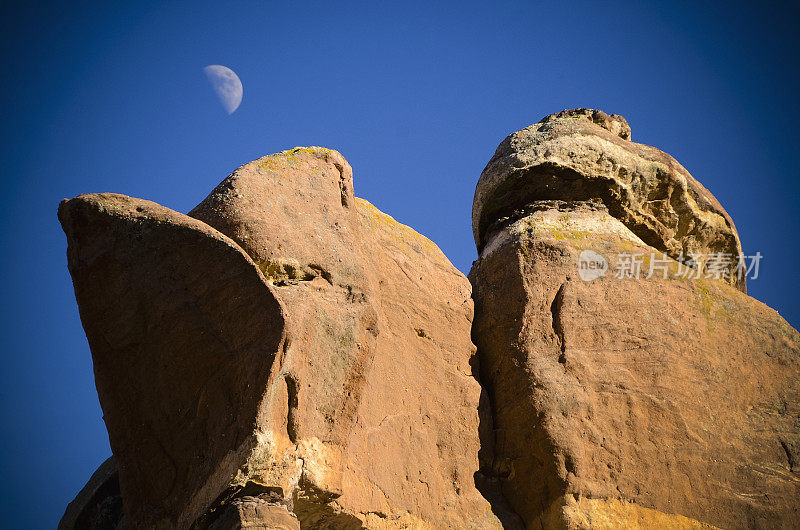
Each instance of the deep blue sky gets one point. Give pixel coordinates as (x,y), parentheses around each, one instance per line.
(102,98)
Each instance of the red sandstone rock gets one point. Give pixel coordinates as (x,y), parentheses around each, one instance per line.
(647,403)
(289,356)
(321,356)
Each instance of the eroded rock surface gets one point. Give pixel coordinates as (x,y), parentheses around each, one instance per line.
(288,356)
(333,378)
(584,154)
(638,403)
(184,332)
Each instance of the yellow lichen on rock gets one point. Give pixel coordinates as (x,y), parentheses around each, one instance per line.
(399,232)
(607,514)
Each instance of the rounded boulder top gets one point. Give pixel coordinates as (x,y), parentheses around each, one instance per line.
(586,155)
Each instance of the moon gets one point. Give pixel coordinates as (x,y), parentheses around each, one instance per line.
(226,85)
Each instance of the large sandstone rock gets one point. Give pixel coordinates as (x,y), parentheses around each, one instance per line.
(625,403)
(314,361)
(184,333)
(584,154)
(380,356)
(288,356)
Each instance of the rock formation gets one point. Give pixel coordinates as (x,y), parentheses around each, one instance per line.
(288,356)
(285,342)
(582,155)
(652,402)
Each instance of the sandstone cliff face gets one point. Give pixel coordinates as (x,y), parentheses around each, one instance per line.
(288,356)
(316,356)
(652,402)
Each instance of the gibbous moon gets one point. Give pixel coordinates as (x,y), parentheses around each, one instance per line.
(226,85)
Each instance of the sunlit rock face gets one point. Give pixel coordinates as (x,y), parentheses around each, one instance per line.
(285,350)
(625,401)
(583,155)
(287,356)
